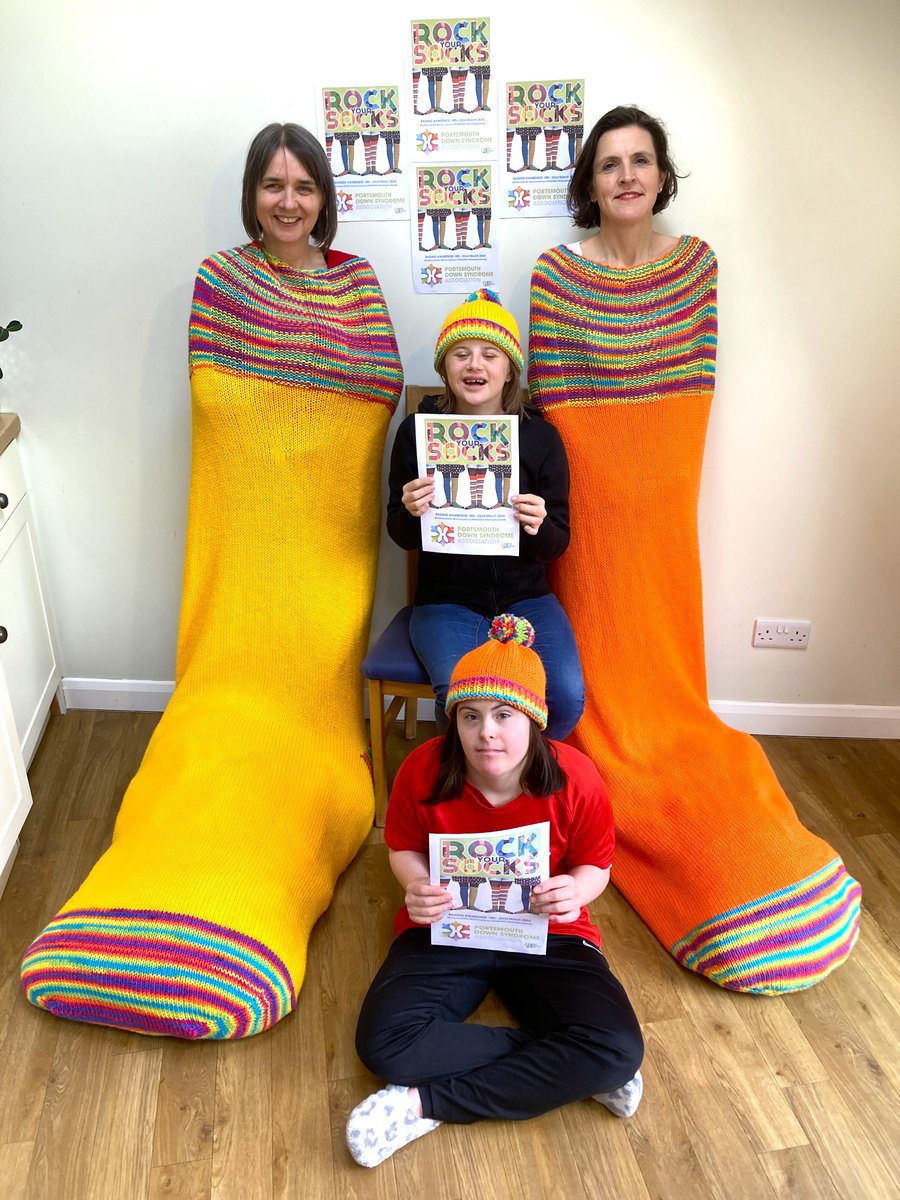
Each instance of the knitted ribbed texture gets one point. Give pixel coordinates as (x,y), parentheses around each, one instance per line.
(708,848)
(481,316)
(254,792)
(504,668)
(228,986)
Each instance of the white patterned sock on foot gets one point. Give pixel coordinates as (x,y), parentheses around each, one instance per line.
(382,1124)
(625,1099)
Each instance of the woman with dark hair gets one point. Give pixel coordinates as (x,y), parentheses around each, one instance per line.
(288,203)
(255,791)
(578,1036)
(622,362)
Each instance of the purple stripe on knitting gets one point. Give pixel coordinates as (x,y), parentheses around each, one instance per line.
(161,949)
(754,911)
(139,988)
(795,969)
(98,1014)
(157,915)
(794,937)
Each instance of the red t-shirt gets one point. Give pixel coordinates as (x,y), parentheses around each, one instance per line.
(580,816)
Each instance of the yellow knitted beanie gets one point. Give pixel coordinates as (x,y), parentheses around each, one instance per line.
(482,316)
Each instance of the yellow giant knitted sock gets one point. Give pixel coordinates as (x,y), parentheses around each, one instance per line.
(254,793)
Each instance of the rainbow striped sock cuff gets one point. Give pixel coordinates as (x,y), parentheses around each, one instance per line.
(783,942)
(156,973)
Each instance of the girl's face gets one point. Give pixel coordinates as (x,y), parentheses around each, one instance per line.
(495,738)
(476,371)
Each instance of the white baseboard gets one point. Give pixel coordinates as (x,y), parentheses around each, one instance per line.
(787,720)
(129,695)
(810,720)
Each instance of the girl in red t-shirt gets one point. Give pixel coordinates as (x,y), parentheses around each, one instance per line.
(578,1036)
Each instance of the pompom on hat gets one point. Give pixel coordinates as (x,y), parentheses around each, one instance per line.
(504,668)
(481,316)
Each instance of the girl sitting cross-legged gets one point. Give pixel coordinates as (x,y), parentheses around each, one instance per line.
(577,1036)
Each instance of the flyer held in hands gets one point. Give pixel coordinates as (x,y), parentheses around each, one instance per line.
(474,462)
(490,878)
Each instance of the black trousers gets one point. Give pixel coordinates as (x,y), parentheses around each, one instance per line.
(579,1033)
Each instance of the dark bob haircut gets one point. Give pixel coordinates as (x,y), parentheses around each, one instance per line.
(585,211)
(308,150)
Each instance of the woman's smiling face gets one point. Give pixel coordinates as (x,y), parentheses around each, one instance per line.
(288,203)
(626,179)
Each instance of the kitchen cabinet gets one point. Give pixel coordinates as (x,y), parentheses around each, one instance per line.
(27,653)
(15,795)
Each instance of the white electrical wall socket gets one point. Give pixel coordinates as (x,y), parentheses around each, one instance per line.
(781,634)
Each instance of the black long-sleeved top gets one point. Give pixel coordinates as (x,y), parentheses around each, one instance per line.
(488,584)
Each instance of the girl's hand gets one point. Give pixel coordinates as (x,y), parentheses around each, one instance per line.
(426,902)
(529,511)
(418,494)
(558,897)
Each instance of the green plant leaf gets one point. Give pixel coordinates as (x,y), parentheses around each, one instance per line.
(4,334)
(14,326)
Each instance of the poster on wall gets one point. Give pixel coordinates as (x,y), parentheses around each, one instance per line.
(453,249)
(452,116)
(361,130)
(544,131)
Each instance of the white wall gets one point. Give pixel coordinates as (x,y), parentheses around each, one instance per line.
(123,132)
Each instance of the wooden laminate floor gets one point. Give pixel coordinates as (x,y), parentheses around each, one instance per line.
(745,1097)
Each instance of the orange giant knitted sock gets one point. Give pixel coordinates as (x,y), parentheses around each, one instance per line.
(709,850)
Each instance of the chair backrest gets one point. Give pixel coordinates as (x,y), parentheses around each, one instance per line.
(416,394)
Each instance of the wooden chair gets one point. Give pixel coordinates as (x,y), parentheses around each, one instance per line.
(392,669)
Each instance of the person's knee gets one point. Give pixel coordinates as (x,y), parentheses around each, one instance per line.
(564,711)
(388,1054)
(621,1060)
(614,1059)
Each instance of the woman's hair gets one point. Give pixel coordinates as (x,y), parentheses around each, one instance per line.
(511,400)
(541,773)
(308,150)
(585,211)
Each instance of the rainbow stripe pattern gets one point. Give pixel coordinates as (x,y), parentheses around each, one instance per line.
(504,668)
(504,691)
(789,940)
(156,973)
(652,329)
(327,331)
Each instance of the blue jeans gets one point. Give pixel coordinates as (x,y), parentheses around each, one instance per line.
(442,633)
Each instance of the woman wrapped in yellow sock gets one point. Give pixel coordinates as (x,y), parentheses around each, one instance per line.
(254,792)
